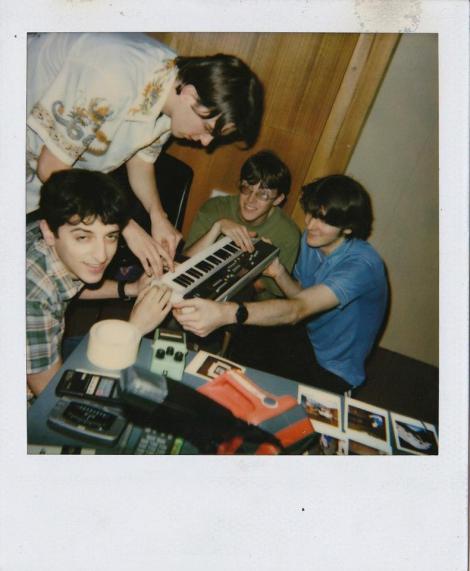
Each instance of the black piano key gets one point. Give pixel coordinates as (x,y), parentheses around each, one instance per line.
(204,266)
(181,281)
(195,273)
(189,279)
(232,248)
(213,260)
(222,254)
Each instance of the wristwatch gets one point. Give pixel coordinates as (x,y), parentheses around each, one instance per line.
(121,291)
(242,314)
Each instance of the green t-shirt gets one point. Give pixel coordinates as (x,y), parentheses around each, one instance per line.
(278,227)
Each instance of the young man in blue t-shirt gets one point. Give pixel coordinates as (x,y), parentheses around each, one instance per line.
(338,289)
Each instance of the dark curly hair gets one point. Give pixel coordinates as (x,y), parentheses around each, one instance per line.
(86,194)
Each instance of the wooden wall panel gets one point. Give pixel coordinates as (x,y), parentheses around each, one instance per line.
(303,74)
(349,111)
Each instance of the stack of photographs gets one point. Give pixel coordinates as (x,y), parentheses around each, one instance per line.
(350,427)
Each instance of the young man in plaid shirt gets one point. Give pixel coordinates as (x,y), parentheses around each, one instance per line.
(82,215)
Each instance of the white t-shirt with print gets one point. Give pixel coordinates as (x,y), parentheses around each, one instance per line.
(95,100)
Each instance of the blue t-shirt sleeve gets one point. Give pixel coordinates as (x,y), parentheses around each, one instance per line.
(352,279)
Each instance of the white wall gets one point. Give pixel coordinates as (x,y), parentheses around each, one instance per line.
(396,159)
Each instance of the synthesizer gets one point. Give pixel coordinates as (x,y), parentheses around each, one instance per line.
(219,271)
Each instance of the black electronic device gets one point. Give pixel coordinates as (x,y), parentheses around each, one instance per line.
(219,271)
(89,386)
(95,423)
(152,400)
(146,440)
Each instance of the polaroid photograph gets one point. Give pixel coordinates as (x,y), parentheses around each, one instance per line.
(326,445)
(323,409)
(209,366)
(367,424)
(331,446)
(414,436)
(374,90)
(355,448)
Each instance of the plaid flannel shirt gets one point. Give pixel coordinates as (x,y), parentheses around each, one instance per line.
(49,288)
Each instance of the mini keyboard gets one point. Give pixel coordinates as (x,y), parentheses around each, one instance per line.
(219,271)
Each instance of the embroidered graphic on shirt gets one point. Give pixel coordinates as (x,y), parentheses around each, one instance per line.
(31,165)
(91,117)
(83,119)
(47,122)
(153,89)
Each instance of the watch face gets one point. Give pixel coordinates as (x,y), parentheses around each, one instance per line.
(242,314)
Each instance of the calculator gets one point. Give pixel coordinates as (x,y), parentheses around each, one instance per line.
(92,422)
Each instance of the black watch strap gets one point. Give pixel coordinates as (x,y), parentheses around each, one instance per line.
(242,314)
(121,291)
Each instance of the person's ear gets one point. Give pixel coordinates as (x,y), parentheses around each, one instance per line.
(279,199)
(47,233)
(189,90)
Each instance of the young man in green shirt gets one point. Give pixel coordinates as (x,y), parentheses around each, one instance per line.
(264,184)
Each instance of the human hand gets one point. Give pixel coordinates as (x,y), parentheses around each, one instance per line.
(202,316)
(166,235)
(134,288)
(239,234)
(274,270)
(149,252)
(150,308)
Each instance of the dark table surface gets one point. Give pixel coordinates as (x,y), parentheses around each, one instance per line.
(41,434)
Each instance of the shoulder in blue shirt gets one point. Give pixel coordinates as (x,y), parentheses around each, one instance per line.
(343,336)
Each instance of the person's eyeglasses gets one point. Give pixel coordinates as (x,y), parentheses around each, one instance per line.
(263,194)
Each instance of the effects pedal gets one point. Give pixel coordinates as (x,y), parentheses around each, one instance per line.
(169,353)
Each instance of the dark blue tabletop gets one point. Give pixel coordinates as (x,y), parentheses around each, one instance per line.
(40,433)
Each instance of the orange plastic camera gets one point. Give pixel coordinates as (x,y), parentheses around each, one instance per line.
(280,416)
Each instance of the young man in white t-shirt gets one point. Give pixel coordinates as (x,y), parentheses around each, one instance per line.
(98,100)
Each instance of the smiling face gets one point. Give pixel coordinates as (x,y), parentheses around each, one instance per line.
(85,247)
(256,203)
(324,236)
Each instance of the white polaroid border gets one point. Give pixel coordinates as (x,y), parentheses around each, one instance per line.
(208,500)
(323,409)
(414,436)
(208,366)
(375,429)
